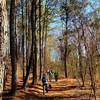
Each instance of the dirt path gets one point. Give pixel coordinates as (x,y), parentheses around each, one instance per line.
(64,89)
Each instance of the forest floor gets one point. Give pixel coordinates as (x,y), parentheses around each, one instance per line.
(63,89)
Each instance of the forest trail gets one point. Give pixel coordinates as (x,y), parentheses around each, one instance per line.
(63,89)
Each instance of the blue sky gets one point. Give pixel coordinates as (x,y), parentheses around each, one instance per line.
(94,3)
(57,27)
(58,24)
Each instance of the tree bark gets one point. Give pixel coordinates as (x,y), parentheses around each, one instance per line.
(33,56)
(40,42)
(22,8)
(13,47)
(66,44)
(3,40)
(34,40)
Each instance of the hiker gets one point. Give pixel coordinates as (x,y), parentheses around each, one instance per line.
(45,83)
(56,76)
(50,74)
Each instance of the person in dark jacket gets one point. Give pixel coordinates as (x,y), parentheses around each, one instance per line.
(45,83)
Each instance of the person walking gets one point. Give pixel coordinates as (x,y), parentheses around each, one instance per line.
(45,83)
(50,74)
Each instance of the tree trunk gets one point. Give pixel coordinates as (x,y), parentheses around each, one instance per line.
(13,47)
(3,41)
(66,45)
(26,32)
(34,40)
(22,8)
(40,42)
(44,36)
(45,45)
(33,56)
